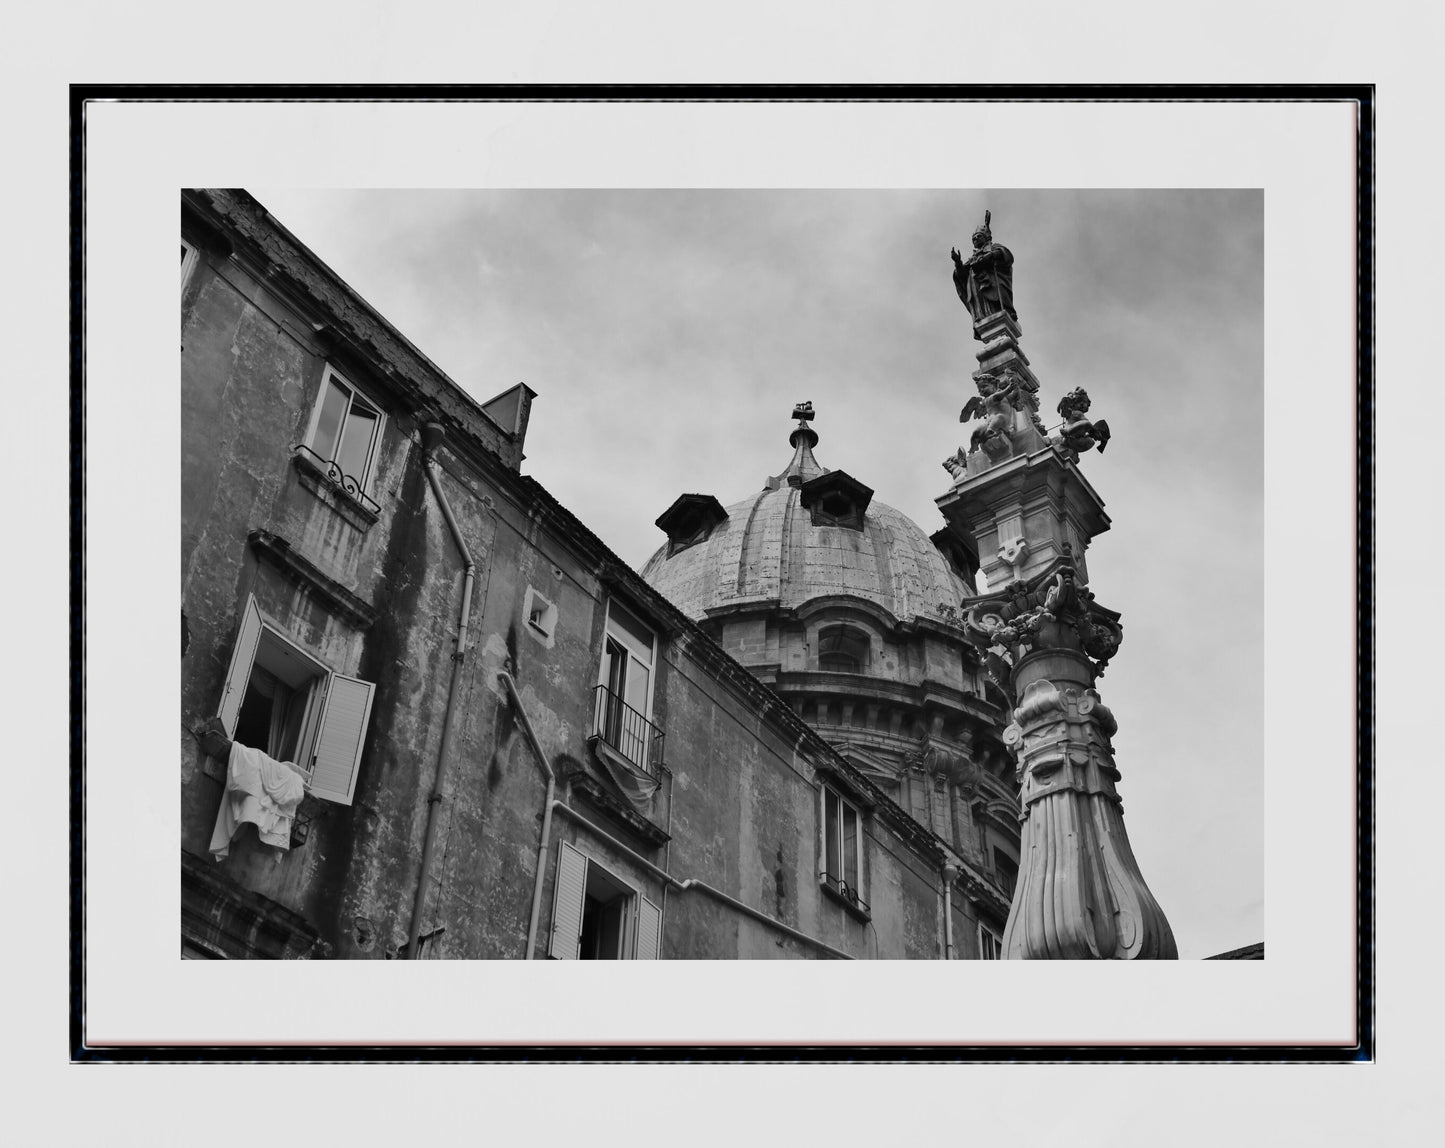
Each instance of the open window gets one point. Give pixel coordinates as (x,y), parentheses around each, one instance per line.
(279,699)
(189,255)
(345,432)
(596,916)
(623,711)
(842,869)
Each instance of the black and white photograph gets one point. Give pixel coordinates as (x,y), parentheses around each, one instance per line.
(782,543)
(753,573)
(722,574)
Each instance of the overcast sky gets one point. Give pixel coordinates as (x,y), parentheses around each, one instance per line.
(668,334)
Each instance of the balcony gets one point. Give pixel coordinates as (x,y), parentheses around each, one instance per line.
(326,471)
(627,732)
(845,892)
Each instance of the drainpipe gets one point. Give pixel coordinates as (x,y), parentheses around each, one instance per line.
(666,860)
(432,435)
(506,680)
(950,874)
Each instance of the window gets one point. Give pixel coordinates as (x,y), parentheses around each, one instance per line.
(1006,868)
(690,520)
(189,255)
(599,917)
(624,689)
(990,943)
(842,868)
(279,699)
(345,430)
(842,650)
(836,499)
(541,614)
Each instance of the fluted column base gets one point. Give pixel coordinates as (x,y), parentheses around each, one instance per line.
(1080,895)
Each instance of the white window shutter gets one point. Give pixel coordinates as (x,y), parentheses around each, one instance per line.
(243,653)
(649,930)
(339,740)
(567,905)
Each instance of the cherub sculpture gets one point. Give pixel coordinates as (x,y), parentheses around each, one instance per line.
(956,464)
(1078,434)
(995,403)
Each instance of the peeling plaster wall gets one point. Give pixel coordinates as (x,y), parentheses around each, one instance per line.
(741,800)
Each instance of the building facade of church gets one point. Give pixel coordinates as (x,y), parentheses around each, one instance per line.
(426,713)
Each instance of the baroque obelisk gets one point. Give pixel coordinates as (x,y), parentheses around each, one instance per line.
(1019,501)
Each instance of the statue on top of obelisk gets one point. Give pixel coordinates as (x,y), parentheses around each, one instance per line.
(1019,503)
(985,280)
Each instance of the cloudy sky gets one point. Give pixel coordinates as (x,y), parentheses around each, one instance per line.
(669,333)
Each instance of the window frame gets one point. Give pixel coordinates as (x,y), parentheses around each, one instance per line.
(190,256)
(989,938)
(339,709)
(540,614)
(652,662)
(611,726)
(363,480)
(641,917)
(851,894)
(844,640)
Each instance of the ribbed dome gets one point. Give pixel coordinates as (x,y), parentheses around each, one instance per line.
(769,548)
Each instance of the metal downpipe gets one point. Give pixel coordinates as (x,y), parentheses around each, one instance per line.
(950,874)
(526,724)
(432,435)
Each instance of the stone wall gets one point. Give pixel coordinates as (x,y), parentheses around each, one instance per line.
(374,591)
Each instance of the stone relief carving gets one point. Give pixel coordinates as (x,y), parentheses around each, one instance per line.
(1056,611)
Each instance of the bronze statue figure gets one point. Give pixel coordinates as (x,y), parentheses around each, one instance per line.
(985,281)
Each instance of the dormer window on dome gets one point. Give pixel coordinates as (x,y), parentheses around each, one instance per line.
(836,499)
(957,551)
(690,520)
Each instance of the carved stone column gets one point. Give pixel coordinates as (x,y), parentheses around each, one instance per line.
(1020,505)
(1080,895)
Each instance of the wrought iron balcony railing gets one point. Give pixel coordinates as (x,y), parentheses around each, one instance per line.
(627,731)
(840,887)
(328,469)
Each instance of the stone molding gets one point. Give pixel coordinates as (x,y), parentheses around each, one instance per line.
(1080,894)
(297,568)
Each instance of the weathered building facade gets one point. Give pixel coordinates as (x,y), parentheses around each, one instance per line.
(480,735)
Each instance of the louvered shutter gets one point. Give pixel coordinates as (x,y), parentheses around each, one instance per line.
(567,904)
(338,742)
(649,930)
(243,653)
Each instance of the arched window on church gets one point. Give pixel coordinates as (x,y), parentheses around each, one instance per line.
(842,650)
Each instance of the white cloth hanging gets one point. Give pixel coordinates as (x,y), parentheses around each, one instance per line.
(261,790)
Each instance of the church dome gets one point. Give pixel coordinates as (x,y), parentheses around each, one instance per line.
(810,533)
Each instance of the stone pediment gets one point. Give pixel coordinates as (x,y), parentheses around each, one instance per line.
(878,768)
